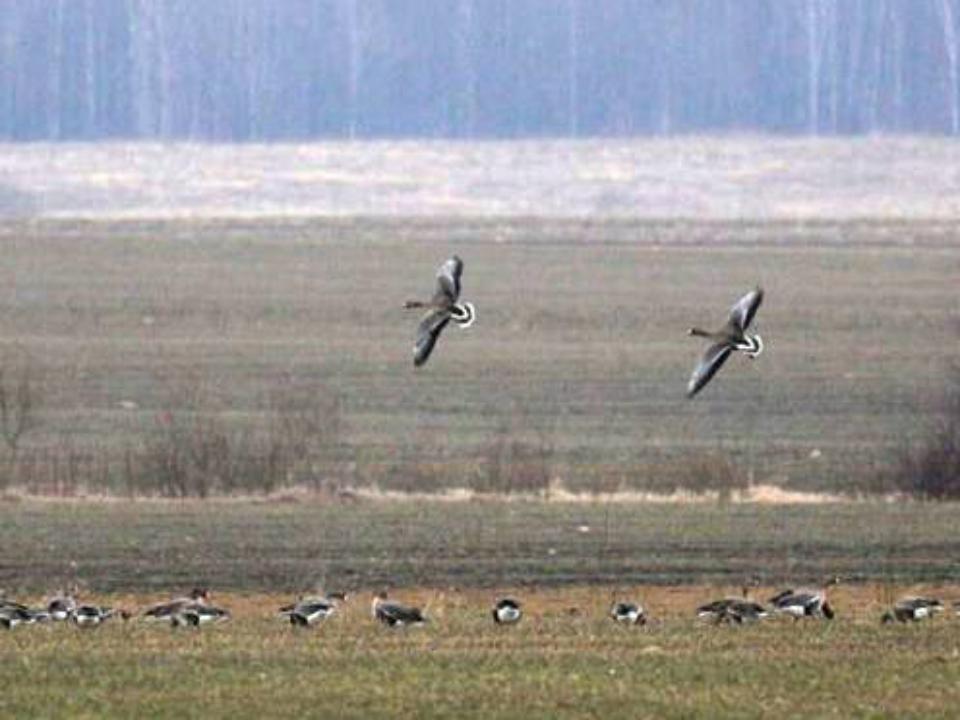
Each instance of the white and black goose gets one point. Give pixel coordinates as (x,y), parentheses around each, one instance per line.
(164,612)
(442,308)
(311,610)
(14,614)
(507,611)
(89,616)
(198,615)
(60,607)
(628,613)
(912,609)
(394,614)
(805,602)
(730,338)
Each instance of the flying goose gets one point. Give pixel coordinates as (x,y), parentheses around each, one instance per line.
(910,609)
(164,612)
(805,602)
(732,336)
(733,610)
(394,614)
(310,610)
(628,613)
(507,612)
(442,308)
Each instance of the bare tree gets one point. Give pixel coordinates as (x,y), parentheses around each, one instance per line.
(19,402)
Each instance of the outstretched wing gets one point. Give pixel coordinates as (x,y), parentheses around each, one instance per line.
(741,314)
(427,333)
(712,360)
(448,282)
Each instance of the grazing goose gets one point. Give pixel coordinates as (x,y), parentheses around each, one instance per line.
(805,602)
(310,610)
(13,614)
(11,604)
(733,610)
(164,612)
(911,609)
(628,613)
(732,336)
(507,612)
(198,614)
(60,608)
(394,614)
(442,308)
(94,615)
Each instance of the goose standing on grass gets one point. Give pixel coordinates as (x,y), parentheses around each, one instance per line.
(310,610)
(442,308)
(394,614)
(628,613)
(912,609)
(164,612)
(805,602)
(507,611)
(731,337)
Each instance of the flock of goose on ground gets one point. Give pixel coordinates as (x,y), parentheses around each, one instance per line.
(195,610)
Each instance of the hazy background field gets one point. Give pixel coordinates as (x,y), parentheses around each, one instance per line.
(193,334)
(701,177)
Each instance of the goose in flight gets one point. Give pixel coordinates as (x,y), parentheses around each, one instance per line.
(441,309)
(732,336)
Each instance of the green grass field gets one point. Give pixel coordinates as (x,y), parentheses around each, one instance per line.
(461,665)
(454,560)
(580,344)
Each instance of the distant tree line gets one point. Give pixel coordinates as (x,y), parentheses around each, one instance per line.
(293,69)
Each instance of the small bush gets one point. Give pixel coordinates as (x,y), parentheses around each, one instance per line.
(930,470)
(517,459)
(707,472)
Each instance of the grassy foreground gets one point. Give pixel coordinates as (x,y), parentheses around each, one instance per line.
(454,559)
(461,665)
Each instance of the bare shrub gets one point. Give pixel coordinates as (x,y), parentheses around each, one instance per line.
(518,459)
(711,471)
(19,398)
(198,452)
(930,469)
